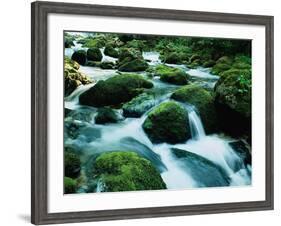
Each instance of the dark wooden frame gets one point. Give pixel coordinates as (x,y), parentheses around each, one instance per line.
(40,11)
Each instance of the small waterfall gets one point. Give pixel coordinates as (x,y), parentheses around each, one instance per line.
(106,58)
(152,57)
(196,126)
(72,100)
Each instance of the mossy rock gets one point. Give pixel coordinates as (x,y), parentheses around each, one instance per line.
(133,65)
(115,90)
(80,56)
(68,43)
(107,65)
(224,60)
(129,54)
(171,75)
(73,77)
(91,63)
(93,42)
(72,164)
(70,185)
(126,171)
(220,68)
(204,103)
(173,58)
(209,63)
(94,54)
(233,93)
(106,115)
(138,105)
(167,123)
(111,51)
(194,57)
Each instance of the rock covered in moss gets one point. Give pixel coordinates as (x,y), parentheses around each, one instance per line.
(70,185)
(131,60)
(72,163)
(80,56)
(115,90)
(126,171)
(172,58)
(138,105)
(106,115)
(107,65)
(73,77)
(171,75)
(168,122)
(94,54)
(133,65)
(203,101)
(111,51)
(233,101)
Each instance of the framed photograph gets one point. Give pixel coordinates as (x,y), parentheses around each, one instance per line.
(140,112)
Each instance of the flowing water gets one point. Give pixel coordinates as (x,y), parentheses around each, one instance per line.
(202,161)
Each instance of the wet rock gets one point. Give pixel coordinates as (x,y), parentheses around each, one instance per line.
(203,171)
(138,105)
(115,90)
(167,123)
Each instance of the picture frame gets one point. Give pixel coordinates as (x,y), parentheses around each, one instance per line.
(40,104)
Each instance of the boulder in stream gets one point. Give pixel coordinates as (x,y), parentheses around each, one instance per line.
(115,90)
(107,115)
(111,51)
(203,101)
(202,170)
(168,122)
(94,54)
(126,171)
(80,56)
(138,105)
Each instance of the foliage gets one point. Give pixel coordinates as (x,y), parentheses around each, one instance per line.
(127,171)
(111,51)
(71,163)
(70,185)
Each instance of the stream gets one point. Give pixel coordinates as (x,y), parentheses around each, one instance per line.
(202,161)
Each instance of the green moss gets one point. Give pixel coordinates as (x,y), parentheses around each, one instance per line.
(115,90)
(167,123)
(219,68)
(170,74)
(133,65)
(209,63)
(71,164)
(107,65)
(106,115)
(173,58)
(80,56)
(94,54)
(138,105)
(233,91)
(111,51)
(126,171)
(70,185)
(202,100)
(93,42)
